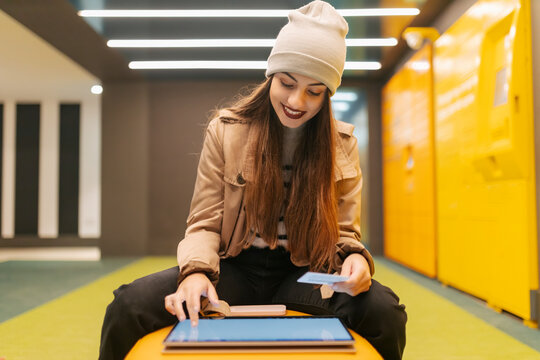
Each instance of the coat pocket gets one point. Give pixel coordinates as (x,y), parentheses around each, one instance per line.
(233,215)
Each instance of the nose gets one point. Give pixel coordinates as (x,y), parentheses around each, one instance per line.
(297,99)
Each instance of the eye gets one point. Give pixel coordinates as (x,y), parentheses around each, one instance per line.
(314,93)
(288,86)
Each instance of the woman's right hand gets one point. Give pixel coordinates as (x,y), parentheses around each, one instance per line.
(190,290)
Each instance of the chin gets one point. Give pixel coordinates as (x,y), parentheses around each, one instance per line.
(290,123)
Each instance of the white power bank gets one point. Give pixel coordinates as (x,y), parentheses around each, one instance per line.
(258,310)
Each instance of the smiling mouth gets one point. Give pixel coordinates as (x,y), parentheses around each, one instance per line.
(293,114)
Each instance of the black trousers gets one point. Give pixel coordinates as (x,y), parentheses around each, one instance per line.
(256,276)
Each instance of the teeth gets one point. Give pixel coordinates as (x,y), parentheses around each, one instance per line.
(292,112)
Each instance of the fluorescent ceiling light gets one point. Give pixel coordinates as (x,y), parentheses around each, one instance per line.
(239,13)
(345,96)
(241,65)
(371,42)
(340,106)
(197,65)
(192,43)
(186,43)
(362,65)
(379,12)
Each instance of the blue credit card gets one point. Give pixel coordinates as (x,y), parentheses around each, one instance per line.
(321,278)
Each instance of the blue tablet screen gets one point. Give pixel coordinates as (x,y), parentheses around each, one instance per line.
(261,329)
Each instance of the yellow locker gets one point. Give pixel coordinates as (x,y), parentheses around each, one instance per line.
(408,166)
(486,196)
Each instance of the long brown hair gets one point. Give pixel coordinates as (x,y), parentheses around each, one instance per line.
(310,203)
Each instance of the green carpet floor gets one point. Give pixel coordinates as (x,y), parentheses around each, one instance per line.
(27,284)
(69,326)
(439,329)
(65,322)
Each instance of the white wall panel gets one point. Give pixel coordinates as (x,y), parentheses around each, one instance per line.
(90,165)
(8,170)
(48,169)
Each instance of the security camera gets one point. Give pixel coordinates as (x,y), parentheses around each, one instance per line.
(415,36)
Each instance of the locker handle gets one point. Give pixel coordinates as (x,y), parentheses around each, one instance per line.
(409,165)
(489,167)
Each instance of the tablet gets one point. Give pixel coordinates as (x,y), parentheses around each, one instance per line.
(268,332)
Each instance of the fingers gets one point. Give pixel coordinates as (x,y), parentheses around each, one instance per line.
(356,268)
(169,304)
(343,286)
(352,287)
(212,295)
(190,291)
(173,304)
(193,304)
(178,308)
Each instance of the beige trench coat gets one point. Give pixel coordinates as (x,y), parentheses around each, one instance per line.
(216,219)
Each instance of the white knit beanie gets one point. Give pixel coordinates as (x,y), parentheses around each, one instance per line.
(312,44)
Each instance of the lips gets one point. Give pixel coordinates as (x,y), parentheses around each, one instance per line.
(293,114)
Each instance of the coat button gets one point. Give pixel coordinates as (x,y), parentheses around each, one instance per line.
(240,179)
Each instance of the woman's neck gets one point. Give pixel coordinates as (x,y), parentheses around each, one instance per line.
(291,137)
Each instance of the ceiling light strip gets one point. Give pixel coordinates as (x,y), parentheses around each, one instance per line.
(186,43)
(345,96)
(240,13)
(229,65)
(150,65)
(371,42)
(204,43)
(362,65)
(379,12)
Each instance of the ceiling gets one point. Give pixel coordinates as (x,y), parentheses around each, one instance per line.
(84,39)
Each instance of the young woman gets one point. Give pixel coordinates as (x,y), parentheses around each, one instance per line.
(277,194)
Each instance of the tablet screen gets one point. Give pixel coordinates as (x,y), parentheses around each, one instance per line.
(281,330)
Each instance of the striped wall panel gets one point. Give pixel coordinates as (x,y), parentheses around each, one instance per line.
(49,81)
(8,170)
(27,169)
(1,155)
(90,169)
(40,167)
(48,170)
(68,207)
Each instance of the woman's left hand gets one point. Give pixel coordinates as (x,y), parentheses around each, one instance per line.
(356,268)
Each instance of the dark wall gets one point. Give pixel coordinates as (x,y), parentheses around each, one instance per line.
(125,169)
(371,165)
(375,196)
(152,137)
(178,114)
(27,169)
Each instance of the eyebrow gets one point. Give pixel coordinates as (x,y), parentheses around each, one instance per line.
(292,77)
